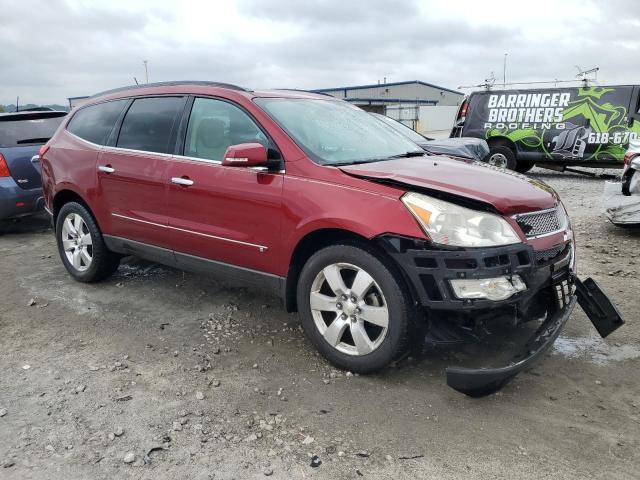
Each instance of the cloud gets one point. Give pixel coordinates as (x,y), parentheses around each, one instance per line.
(56,49)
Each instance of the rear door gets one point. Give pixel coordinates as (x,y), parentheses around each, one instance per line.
(607,114)
(21,136)
(227,214)
(132,170)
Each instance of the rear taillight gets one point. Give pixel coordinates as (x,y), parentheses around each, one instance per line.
(462,113)
(4,168)
(43,149)
(629,156)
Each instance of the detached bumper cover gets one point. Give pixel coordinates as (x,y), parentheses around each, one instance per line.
(603,314)
(484,381)
(620,209)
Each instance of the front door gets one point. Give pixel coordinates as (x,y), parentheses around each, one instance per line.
(226,214)
(132,174)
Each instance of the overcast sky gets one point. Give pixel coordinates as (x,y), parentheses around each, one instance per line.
(54,49)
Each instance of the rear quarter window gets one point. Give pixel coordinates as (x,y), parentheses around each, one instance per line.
(95,122)
(149,123)
(29,130)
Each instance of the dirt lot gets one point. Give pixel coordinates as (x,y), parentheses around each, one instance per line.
(198,379)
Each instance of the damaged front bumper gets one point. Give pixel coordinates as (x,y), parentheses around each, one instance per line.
(620,209)
(552,293)
(599,309)
(479,382)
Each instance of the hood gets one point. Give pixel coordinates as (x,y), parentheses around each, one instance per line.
(473,148)
(508,192)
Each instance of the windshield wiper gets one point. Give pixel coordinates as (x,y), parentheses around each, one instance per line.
(413,153)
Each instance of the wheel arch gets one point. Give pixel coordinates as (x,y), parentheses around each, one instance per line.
(324,237)
(501,141)
(65,196)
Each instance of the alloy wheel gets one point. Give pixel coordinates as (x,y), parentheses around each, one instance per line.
(498,160)
(349,309)
(76,242)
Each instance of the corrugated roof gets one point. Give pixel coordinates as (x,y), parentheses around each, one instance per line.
(391,84)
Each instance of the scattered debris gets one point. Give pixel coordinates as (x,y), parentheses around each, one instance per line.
(315,461)
(307,440)
(147,456)
(410,457)
(26,367)
(129,457)
(363,454)
(267,472)
(118,432)
(199,395)
(3,412)
(31,302)
(123,398)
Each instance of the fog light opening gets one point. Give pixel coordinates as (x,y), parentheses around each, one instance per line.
(496,289)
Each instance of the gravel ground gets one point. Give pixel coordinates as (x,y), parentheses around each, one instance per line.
(157,373)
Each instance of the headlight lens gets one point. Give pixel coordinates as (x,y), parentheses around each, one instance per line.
(450,224)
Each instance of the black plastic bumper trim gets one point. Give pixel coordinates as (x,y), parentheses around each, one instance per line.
(485,381)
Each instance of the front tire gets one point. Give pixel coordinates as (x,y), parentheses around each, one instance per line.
(81,246)
(354,308)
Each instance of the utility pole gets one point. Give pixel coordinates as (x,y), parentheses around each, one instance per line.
(146,70)
(504,71)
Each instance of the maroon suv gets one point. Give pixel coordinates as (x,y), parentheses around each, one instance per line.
(312,198)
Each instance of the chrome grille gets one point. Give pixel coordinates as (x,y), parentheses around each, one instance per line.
(539,223)
(543,256)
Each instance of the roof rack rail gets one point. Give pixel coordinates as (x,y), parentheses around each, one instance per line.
(173,83)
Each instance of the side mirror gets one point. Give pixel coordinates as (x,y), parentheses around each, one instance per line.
(245,155)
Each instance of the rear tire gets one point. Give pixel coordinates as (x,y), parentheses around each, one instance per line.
(81,246)
(354,308)
(501,156)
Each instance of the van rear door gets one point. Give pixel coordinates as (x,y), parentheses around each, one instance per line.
(634,111)
(607,112)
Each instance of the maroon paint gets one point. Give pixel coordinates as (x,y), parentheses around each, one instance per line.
(229,213)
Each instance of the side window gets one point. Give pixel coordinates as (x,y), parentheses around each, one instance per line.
(148,123)
(94,123)
(214,125)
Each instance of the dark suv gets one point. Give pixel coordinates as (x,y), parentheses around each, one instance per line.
(321,203)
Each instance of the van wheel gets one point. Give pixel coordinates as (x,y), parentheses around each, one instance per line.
(81,246)
(501,156)
(523,166)
(354,308)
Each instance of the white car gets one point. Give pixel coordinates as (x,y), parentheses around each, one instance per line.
(622,200)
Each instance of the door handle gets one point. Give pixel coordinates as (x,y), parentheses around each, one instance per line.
(106,169)
(35,159)
(185,182)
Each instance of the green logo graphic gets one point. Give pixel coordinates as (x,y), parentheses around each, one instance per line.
(604,122)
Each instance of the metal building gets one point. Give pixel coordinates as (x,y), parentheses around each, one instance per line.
(407,101)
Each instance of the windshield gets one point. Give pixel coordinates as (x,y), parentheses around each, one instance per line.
(333,132)
(400,128)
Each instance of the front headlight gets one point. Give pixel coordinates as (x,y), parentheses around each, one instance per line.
(450,224)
